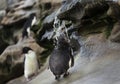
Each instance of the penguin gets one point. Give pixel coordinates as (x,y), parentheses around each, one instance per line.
(61,58)
(31,65)
(28,24)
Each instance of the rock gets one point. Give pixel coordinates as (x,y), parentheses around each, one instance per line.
(49,19)
(11,2)
(3,45)
(52,1)
(3,4)
(16,17)
(115,34)
(46,30)
(71,10)
(118,2)
(114,11)
(76,10)
(2,14)
(3,41)
(26,4)
(20,11)
(47,26)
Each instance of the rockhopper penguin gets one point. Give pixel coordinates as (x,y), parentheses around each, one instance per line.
(28,24)
(31,66)
(61,58)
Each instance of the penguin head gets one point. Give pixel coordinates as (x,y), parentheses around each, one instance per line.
(32,15)
(25,50)
(33,18)
(28,24)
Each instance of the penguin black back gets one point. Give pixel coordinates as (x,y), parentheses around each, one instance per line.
(60,57)
(62,42)
(28,25)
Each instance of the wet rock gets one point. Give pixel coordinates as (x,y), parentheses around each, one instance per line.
(48,25)
(71,10)
(49,19)
(3,6)
(48,12)
(76,10)
(46,30)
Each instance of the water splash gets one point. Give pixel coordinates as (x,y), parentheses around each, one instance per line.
(59,29)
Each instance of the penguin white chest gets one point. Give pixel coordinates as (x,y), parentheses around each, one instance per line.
(28,31)
(34,21)
(31,64)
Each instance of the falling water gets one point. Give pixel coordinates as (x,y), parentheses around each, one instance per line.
(59,29)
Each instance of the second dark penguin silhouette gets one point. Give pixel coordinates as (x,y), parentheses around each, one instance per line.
(28,24)
(61,58)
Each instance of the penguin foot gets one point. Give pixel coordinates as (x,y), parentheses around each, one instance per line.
(57,77)
(28,79)
(66,74)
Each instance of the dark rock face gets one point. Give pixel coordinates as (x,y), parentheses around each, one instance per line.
(76,10)
(4,39)
(71,10)
(3,45)
(47,26)
(88,15)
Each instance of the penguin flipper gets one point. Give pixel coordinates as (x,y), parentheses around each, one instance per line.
(72,59)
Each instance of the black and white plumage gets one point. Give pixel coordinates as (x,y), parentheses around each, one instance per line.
(28,24)
(31,65)
(60,58)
